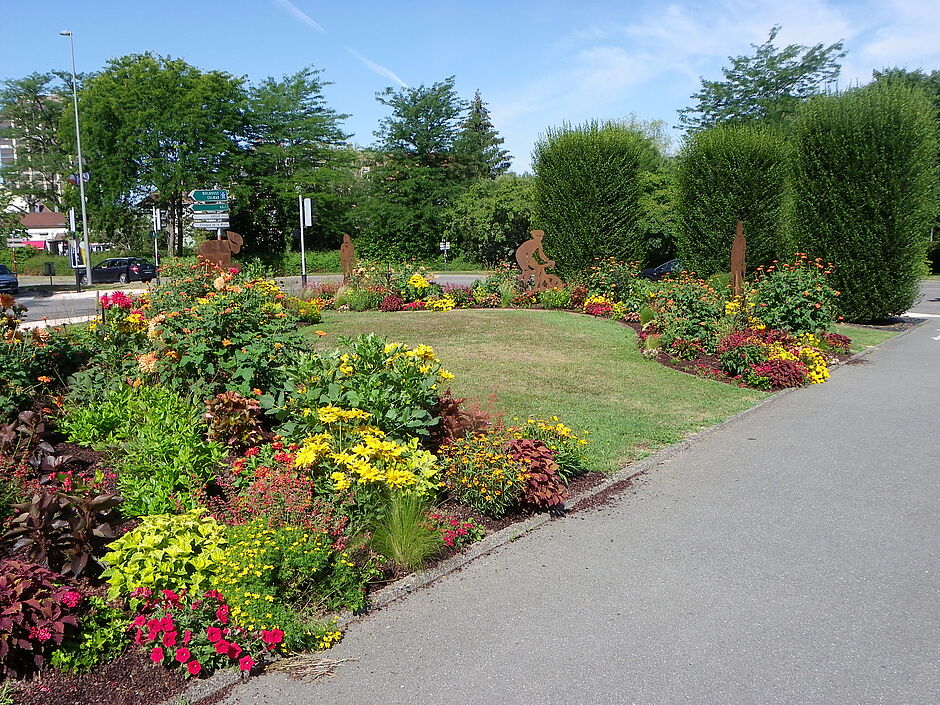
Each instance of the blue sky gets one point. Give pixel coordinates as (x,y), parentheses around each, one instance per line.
(537,63)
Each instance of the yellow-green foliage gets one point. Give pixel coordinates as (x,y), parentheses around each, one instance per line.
(166,551)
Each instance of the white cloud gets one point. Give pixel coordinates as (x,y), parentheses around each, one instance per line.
(378,68)
(299,14)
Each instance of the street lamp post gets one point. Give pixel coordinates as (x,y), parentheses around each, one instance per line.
(81,165)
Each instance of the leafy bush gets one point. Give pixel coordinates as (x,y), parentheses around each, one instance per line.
(588,190)
(612,279)
(567,446)
(544,487)
(65,532)
(687,309)
(796,296)
(725,174)
(268,574)
(454,532)
(395,384)
(555,298)
(391,303)
(362,299)
(863,193)
(157,441)
(780,373)
(101,638)
(479,473)
(457,419)
(36,609)
(166,551)
(233,420)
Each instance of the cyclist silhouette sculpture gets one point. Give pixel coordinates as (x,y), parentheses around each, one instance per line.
(533,274)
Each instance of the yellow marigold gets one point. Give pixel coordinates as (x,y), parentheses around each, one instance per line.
(418,282)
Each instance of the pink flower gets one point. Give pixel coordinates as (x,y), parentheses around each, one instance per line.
(214,634)
(214,594)
(169,639)
(183,655)
(221,646)
(171,596)
(272,637)
(187,635)
(222,614)
(234,650)
(71,598)
(245,663)
(40,633)
(193,667)
(156,655)
(139,621)
(166,624)
(144,592)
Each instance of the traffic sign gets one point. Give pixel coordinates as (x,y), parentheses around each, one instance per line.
(209,195)
(210,216)
(209,207)
(206,225)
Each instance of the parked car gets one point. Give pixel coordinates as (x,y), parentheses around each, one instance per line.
(122,270)
(9,284)
(656,273)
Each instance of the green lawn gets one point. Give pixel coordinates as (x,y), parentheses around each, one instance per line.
(863,338)
(585,370)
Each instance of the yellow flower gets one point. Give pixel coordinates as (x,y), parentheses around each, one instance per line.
(340,481)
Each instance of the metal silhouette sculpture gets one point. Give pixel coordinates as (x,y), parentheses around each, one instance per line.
(347,257)
(220,251)
(738,248)
(533,274)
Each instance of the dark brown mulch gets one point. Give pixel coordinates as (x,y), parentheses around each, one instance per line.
(131,679)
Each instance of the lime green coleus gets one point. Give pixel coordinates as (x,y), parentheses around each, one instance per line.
(166,551)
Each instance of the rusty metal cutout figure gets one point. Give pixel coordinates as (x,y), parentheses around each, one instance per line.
(347,257)
(738,248)
(220,251)
(533,272)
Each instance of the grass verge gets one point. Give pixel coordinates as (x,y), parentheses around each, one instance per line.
(585,370)
(862,337)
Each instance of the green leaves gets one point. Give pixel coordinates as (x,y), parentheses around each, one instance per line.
(588,191)
(862,193)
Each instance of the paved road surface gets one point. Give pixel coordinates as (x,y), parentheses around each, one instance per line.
(791,557)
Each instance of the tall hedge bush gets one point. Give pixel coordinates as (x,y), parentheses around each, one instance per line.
(861,193)
(588,189)
(728,173)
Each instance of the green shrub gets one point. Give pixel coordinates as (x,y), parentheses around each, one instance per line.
(555,298)
(796,297)
(479,473)
(397,385)
(166,552)
(588,190)
(361,299)
(686,309)
(102,637)
(157,442)
(862,193)
(725,174)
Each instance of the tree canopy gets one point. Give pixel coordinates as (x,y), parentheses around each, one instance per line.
(768,86)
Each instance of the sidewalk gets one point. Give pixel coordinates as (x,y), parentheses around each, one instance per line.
(788,557)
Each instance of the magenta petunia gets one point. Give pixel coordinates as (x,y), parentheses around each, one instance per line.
(245,663)
(194,667)
(183,655)
(156,655)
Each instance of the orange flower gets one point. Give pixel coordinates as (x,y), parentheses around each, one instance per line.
(44,379)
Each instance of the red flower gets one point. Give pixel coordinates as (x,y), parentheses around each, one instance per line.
(272,637)
(193,667)
(214,634)
(139,621)
(221,646)
(183,655)
(187,635)
(156,655)
(245,663)
(252,452)
(234,650)
(169,639)
(222,614)
(171,596)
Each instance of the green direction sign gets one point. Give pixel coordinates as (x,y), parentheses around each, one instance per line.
(209,207)
(209,195)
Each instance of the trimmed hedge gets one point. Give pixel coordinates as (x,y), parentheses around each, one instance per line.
(861,193)
(588,190)
(725,174)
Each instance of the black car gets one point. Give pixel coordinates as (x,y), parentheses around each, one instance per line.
(9,284)
(665,269)
(122,270)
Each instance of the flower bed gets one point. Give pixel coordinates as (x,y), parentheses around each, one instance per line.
(224,492)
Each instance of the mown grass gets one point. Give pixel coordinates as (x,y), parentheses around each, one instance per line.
(863,338)
(585,370)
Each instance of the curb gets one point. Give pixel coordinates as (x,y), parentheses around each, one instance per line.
(412,583)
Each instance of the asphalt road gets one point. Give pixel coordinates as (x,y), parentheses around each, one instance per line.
(789,557)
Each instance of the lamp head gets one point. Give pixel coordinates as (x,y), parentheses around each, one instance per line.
(66,33)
